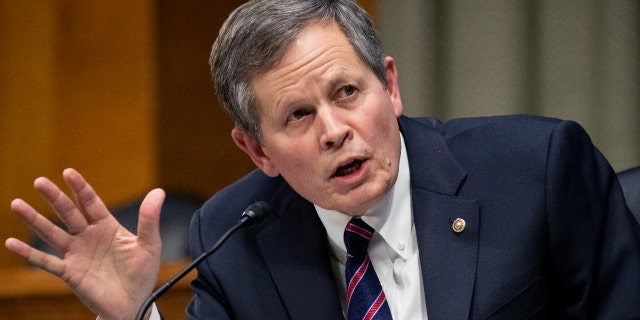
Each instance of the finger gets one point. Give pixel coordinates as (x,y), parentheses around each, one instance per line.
(149,219)
(47,262)
(46,230)
(64,207)
(91,204)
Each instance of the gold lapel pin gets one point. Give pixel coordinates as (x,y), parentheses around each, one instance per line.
(458,225)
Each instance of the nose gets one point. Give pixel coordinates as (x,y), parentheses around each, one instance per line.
(334,130)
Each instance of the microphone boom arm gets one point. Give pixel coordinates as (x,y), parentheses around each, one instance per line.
(254,213)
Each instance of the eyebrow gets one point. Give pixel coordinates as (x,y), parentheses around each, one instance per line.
(339,77)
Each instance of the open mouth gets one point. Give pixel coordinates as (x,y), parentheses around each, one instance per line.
(348,168)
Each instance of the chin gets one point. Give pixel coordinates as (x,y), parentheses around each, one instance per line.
(364,204)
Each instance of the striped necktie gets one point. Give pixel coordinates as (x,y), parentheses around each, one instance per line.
(365,298)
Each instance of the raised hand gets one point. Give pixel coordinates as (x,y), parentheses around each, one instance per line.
(110,269)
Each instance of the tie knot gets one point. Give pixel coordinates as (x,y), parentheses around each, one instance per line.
(356,237)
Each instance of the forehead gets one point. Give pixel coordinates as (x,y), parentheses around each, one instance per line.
(316,38)
(316,50)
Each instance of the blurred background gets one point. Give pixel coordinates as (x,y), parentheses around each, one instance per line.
(574,59)
(120,90)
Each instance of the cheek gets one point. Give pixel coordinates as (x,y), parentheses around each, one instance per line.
(386,139)
(382,128)
(295,159)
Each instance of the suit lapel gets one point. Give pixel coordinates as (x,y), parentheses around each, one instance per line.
(294,246)
(448,259)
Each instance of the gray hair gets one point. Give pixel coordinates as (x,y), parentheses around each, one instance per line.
(256,36)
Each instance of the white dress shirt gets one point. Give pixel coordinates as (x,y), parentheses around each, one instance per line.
(393,249)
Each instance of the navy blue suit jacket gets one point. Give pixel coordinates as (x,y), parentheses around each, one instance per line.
(548,234)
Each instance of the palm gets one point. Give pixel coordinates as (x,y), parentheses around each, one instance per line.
(110,269)
(105,267)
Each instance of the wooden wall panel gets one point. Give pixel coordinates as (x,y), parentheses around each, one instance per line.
(77,90)
(197,153)
(106,111)
(371,7)
(26,105)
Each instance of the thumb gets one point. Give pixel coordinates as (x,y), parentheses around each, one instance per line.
(149,218)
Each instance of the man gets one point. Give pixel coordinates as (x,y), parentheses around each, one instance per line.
(514,217)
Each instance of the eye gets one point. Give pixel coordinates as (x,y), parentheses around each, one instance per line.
(298,114)
(346,91)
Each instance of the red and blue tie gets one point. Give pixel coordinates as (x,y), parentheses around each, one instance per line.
(365,298)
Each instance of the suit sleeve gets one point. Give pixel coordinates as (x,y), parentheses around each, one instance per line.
(207,302)
(594,239)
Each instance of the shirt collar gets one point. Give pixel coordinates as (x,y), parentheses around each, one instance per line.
(391,217)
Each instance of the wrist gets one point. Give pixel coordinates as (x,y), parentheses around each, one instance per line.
(152,314)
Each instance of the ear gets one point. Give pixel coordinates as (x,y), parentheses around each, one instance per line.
(393,89)
(252,147)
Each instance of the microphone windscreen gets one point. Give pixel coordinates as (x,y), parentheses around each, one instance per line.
(257,211)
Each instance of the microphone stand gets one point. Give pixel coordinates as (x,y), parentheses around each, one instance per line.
(254,213)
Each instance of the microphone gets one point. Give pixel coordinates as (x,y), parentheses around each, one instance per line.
(254,214)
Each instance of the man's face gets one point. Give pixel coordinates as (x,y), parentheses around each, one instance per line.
(328,125)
